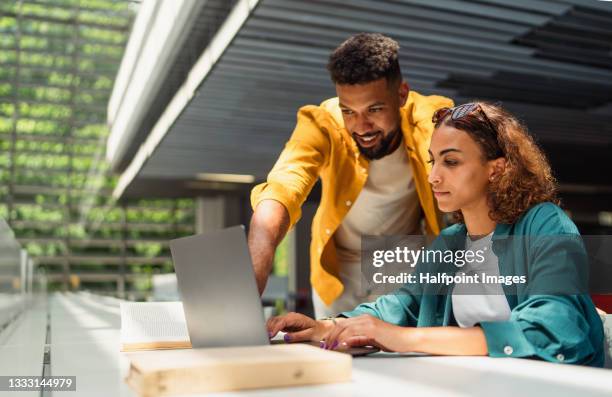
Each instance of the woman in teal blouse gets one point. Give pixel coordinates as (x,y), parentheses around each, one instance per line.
(488,172)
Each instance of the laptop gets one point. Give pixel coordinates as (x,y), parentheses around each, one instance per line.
(219,292)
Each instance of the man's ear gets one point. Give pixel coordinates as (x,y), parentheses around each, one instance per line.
(404,89)
(497,168)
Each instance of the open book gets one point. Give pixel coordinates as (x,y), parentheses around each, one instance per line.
(153,325)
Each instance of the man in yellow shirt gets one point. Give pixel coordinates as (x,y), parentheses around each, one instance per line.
(369,147)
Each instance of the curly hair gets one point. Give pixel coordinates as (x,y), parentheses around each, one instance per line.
(363,58)
(527,178)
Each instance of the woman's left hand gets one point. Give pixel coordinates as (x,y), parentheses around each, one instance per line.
(367,330)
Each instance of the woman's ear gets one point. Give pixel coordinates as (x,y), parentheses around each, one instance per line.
(496,168)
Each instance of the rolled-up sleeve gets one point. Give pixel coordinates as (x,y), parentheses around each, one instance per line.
(552,328)
(298,166)
(400,308)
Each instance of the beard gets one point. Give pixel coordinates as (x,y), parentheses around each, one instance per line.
(387,144)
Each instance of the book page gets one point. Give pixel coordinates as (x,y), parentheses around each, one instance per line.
(153,325)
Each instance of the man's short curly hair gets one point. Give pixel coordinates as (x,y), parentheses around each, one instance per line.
(363,58)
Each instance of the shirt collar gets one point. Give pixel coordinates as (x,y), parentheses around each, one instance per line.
(502,231)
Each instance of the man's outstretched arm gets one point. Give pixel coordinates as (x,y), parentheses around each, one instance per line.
(269,225)
(277,202)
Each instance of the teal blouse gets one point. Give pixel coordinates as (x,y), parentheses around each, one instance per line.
(552,316)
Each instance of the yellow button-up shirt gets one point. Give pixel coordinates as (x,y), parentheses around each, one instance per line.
(321,147)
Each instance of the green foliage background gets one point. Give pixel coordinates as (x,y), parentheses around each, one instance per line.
(58,60)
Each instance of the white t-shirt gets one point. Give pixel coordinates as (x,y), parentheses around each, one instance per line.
(476,302)
(387,205)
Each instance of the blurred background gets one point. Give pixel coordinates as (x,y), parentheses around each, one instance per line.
(124,124)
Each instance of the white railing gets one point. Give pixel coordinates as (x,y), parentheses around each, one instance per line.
(18,278)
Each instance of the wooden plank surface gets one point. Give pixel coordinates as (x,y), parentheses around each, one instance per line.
(166,373)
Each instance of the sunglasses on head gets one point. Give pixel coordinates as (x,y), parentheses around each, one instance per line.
(460,112)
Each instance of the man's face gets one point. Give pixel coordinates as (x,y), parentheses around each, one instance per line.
(371,114)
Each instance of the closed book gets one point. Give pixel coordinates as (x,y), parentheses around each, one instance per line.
(176,372)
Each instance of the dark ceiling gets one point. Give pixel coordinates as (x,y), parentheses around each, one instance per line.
(549,62)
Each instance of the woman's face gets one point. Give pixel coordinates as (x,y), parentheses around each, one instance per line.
(460,175)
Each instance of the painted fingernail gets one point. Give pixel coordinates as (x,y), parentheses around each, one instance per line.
(335,345)
(321,344)
(270,334)
(287,338)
